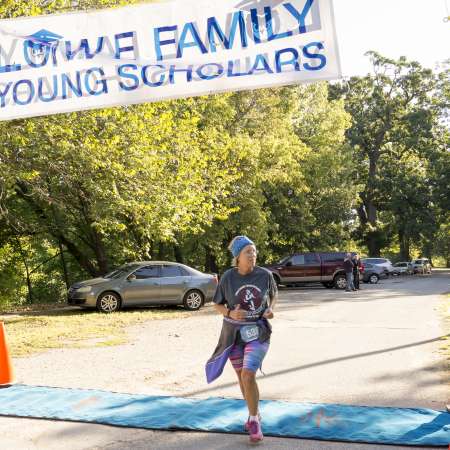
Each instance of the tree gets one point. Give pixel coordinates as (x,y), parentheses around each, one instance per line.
(393,111)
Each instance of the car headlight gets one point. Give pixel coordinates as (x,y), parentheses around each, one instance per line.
(85,290)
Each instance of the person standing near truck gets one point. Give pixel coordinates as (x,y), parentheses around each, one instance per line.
(348,267)
(356,270)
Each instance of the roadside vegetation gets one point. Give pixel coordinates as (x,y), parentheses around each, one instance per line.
(362,164)
(29,332)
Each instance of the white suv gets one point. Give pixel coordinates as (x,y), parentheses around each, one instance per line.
(421,265)
(381,262)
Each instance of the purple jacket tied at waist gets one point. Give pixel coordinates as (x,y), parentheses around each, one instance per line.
(230,328)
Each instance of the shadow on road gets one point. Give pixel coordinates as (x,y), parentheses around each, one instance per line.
(322,363)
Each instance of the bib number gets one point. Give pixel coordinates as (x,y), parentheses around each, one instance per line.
(249,333)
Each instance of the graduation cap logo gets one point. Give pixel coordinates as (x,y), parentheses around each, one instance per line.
(40,40)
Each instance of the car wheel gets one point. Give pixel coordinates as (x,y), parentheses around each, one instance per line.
(374,278)
(340,282)
(193,300)
(109,302)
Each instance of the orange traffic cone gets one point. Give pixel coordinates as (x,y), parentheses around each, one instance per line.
(6,370)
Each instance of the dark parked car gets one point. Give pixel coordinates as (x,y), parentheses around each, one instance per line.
(324,267)
(372,273)
(145,283)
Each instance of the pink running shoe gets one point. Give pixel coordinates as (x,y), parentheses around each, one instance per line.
(246,424)
(254,429)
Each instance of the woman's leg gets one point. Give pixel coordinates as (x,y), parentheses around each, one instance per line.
(237,360)
(254,354)
(251,391)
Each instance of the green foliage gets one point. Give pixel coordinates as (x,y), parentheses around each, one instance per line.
(296,168)
(396,134)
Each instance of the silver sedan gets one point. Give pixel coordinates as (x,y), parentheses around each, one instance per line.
(145,283)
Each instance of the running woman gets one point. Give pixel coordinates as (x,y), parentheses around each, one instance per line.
(246,296)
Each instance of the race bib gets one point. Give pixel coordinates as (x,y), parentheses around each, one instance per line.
(249,333)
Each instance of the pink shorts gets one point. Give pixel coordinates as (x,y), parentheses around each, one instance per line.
(248,355)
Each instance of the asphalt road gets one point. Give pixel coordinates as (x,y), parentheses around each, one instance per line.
(379,346)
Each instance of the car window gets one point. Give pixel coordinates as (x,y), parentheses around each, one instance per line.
(417,261)
(121,271)
(311,258)
(376,260)
(185,272)
(332,257)
(284,260)
(368,265)
(147,272)
(170,271)
(298,260)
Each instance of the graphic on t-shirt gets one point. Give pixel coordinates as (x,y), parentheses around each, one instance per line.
(251,299)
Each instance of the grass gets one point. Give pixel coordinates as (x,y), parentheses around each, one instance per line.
(37,329)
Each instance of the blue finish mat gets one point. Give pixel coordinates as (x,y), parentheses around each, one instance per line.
(282,419)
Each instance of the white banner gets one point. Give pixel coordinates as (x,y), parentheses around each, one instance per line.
(151,52)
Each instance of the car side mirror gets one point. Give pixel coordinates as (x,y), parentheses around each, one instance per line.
(131,277)
(289,264)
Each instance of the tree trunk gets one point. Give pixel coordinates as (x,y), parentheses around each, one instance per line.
(372,238)
(404,242)
(100,254)
(27,271)
(178,254)
(82,259)
(210,261)
(64,265)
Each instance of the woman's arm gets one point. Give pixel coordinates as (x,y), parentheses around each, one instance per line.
(235,314)
(268,314)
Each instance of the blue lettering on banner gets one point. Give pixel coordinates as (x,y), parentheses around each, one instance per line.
(300,16)
(158,42)
(3,94)
(30,86)
(197,42)
(213,27)
(121,71)
(294,60)
(260,60)
(255,26)
(203,76)
(231,73)
(308,54)
(67,84)
(29,47)
(269,25)
(10,68)
(146,81)
(173,70)
(119,49)
(54,94)
(104,86)
(84,47)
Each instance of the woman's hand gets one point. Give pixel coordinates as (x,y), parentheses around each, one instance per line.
(268,313)
(238,313)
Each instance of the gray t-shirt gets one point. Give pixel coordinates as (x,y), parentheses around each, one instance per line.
(251,291)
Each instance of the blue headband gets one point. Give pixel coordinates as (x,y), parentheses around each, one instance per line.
(239,243)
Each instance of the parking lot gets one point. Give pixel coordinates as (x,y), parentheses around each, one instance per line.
(379,346)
